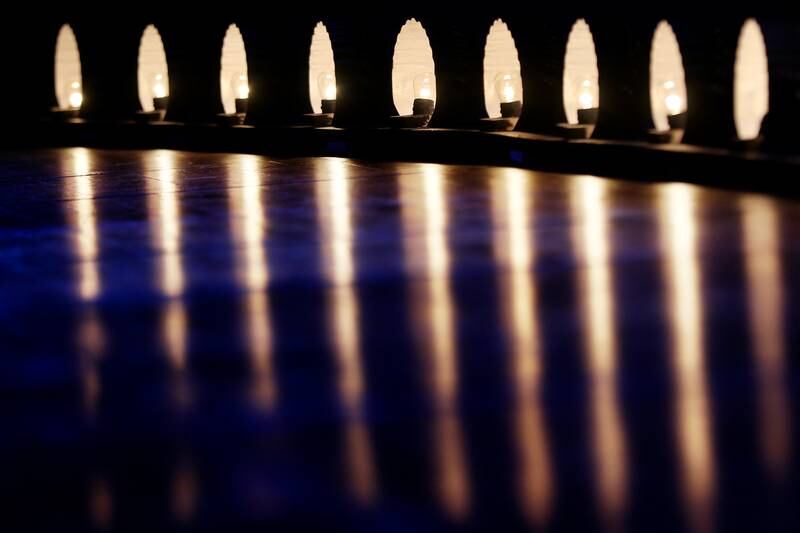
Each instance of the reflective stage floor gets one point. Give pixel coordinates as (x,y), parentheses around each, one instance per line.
(229,342)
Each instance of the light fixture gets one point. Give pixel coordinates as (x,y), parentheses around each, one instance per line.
(234,88)
(75,95)
(668,96)
(67,76)
(241,89)
(580,83)
(586,100)
(675,106)
(160,95)
(424,94)
(152,76)
(502,80)
(159,89)
(326,82)
(508,89)
(413,77)
(587,108)
(423,86)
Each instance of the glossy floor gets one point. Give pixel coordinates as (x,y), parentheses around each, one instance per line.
(230,342)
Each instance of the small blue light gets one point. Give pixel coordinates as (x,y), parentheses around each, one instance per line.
(517,156)
(336,147)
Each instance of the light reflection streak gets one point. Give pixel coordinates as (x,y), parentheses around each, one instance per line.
(101,503)
(249,225)
(336,228)
(685,310)
(80,194)
(165,217)
(762,246)
(86,245)
(592,244)
(514,249)
(184,489)
(425,212)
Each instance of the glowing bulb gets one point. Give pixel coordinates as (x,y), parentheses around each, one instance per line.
(505,85)
(240,87)
(75,95)
(585,98)
(159,87)
(424,86)
(674,104)
(327,86)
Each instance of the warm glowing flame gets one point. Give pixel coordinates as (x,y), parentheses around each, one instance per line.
(504,85)
(423,86)
(242,87)
(674,104)
(686,320)
(508,93)
(585,98)
(159,87)
(327,86)
(75,95)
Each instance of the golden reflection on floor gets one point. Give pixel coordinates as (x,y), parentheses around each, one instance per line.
(184,490)
(249,224)
(592,244)
(762,247)
(515,246)
(425,213)
(79,194)
(336,228)
(678,215)
(164,213)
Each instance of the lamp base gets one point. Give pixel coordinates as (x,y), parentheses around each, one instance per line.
(241,105)
(230,119)
(421,113)
(423,106)
(588,117)
(660,137)
(63,115)
(498,124)
(409,121)
(678,122)
(320,120)
(150,116)
(328,107)
(746,145)
(511,109)
(161,103)
(575,131)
